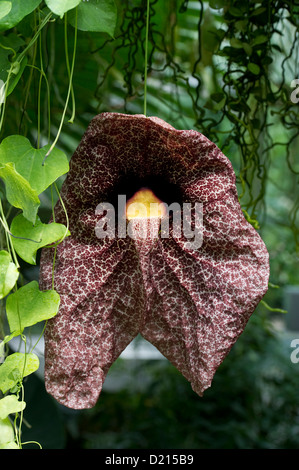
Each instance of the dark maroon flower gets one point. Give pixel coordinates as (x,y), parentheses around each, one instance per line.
(192,304)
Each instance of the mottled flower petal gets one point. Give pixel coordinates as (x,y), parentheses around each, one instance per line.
(191,303)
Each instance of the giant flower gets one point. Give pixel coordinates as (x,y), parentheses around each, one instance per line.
(192,303)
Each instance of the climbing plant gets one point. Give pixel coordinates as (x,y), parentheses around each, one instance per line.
(224,67)
(27,171)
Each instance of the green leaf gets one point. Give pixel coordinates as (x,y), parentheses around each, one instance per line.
(19,193)
(29,161)
(234,11)
(12,43)
(95,15)
(19,9)
(260,40)
(7,434)
(253,68)
(236,43)
(6,339)
(258,11)
(8,273)
(43,234)
(15,79)
(29,305)
(10,404)
(15,367)
(5,8)
(9,445)
(61,7)
(241,25)
(247,48)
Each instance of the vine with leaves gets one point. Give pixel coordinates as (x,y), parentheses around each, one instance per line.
(27,172)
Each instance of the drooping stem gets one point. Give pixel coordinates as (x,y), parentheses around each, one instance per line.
(146,55)
(9,243)
(35,37)
(69,88)
(71,120)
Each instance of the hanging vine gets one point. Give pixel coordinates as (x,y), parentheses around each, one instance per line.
(230,79)
(27,171)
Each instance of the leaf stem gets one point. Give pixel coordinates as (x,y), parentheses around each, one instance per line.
(39,338)
(35,37)
(5,96)
(43,75)
(146,56)
(71,120)
(32,442)
(69,88)
(9,242)
(271,309)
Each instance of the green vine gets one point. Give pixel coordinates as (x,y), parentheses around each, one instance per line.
(22,233)
(146,55)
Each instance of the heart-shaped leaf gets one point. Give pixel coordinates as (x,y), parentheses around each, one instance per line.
(29,162)
(42,234)
(254,68)
(60,8)
(19,193)
(29,305)
(19,9)
(8,273)
(15,367)
(5,8)
(7,434)
(95,15)
(10,404)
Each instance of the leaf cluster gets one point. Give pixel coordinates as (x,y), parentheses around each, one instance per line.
(28,172)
